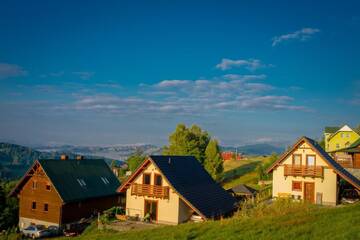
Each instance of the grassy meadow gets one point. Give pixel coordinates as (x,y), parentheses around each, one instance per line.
(281,220)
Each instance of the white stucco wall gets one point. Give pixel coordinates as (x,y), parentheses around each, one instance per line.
(169,210)
(326,185)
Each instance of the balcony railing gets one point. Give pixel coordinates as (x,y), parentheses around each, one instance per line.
(303,171)
(345,161)
(150,190)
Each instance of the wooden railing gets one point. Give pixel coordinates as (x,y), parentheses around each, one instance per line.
(345,161)
(303,171)
(149,190)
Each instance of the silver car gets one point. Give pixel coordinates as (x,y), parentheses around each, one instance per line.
(35,231)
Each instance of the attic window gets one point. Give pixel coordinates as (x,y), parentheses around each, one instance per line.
(48,187)
(81,182)
(105,180)
(34,185)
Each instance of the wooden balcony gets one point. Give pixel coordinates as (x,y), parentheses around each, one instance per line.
(345,161)
(150,190)
(303,171)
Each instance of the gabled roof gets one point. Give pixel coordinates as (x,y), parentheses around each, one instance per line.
(355,144)
(243,189)
(192,183)
(77,180)
(344,128)
(325,156)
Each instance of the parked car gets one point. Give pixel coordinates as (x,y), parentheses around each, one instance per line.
(53,231)
(35,231)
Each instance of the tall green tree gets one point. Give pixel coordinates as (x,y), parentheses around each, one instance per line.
(9,206)
(188,141)
(134,161)
(213,162)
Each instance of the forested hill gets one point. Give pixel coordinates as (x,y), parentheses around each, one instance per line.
(16,159)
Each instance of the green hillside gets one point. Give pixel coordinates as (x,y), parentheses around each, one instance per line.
(282,220)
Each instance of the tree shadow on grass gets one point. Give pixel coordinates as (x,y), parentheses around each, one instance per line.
(239,171)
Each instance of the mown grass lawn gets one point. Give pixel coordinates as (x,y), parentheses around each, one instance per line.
(281,220)
(242,171)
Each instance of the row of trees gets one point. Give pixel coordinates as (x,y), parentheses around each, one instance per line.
(189,141)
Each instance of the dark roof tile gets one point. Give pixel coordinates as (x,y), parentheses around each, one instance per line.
(192,182)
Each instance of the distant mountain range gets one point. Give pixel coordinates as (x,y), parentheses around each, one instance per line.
(16,159)
(118,152)
(255,149)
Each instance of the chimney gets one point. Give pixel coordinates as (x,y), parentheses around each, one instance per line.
(64,157)
(79,157)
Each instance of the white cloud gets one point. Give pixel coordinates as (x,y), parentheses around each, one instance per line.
(172,83)
(193,97)
(302,35)
(11,70)
(84,75)
(250,64)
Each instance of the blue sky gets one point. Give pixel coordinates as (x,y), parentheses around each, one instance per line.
(79,72)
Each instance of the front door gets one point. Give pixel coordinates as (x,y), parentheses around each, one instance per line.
(309,192)
(151,207)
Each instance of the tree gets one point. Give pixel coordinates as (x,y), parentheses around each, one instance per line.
(357,129)
(188,141)
(134,161)
(9,206)
(262,167)
(321,142)
(213,162)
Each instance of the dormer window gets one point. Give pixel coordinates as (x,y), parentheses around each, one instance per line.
(105,180)
(81,182)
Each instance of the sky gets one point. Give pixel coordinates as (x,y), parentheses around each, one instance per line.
(124,72)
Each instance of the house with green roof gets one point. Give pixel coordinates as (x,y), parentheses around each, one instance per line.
(339,137)
(59,192)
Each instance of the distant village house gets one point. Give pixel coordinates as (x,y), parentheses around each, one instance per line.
(59,192)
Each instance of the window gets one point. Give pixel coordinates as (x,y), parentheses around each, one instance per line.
(48,187)
(146,178)
(348,135)
(46,207)
(34,185)
(296,186)
(337,146)
(342,135)
(297,159)
(105,180)
(33,205)
(157,180)
(81,182)
(310,160)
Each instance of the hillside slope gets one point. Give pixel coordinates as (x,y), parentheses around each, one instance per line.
(281,220)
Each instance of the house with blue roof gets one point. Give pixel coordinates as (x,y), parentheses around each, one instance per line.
(307,172)
(173,190)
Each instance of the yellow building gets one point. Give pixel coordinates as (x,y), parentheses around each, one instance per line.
(173,190)
(338,138)
(307,172)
